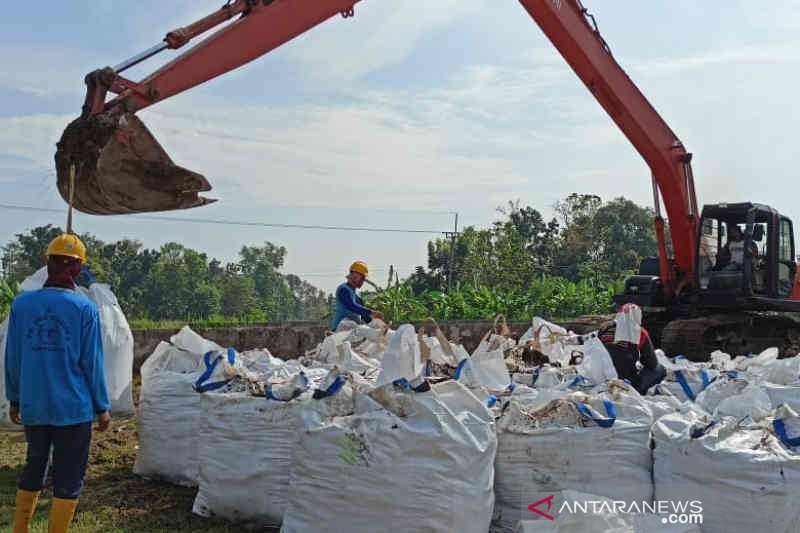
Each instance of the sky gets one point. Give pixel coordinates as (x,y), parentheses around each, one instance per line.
(403,115)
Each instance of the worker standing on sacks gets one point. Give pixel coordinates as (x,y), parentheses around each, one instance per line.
(349,305)
(55,383)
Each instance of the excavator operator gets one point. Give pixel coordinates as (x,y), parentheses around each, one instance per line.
(630,343)
(731,257)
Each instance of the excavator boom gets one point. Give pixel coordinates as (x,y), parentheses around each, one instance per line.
(573,32)
(119,167)
(109,163)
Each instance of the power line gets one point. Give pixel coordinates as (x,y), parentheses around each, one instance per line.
(238,222)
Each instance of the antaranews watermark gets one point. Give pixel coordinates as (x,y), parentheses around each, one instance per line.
(671,512)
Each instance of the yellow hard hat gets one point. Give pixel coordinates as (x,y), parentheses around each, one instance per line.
(360,267)
(68,245)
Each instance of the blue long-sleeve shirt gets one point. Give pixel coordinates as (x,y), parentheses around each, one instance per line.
(349,306)
(54,358)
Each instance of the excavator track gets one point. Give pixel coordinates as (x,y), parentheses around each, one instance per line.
(735,334)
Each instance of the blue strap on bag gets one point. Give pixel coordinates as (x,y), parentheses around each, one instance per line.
(611,411)
(201,385)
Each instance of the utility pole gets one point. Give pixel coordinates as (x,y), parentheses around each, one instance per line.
(452,235)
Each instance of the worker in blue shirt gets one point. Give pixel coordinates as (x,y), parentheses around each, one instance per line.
(55,382)
(349,305)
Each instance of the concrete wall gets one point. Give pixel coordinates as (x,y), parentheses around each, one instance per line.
(290,339)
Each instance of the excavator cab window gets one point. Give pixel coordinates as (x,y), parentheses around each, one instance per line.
(712,232)
(760,269)
(786,258)
(721,254)
(745,250)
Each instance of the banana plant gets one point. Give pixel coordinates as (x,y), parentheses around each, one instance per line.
(8,291)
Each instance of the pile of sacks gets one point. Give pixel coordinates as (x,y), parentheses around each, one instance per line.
(383,428)
(117,340)
(268,441)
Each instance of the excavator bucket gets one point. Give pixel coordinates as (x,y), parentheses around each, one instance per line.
(110,164)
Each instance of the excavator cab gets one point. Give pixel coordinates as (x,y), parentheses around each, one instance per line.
(745,256)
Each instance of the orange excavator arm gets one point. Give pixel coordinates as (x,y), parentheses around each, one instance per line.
(262,26)
(109,163)
(573,32)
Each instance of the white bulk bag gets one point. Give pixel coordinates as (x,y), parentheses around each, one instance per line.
(783,394)
(722,361)
(484,369)
(244,454)
(117,348)
(169,409)
(594,444)
(426,465)
(762,360)
(597,364)
(605,520)
(745,477)
(684,379)
(5,420)
(778,371)
(349,359)
(245,448)
(737,397)
(550,339)
(402,359)
(35,281)
(547,377)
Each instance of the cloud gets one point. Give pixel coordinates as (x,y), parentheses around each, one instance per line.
(764,55)
(42,70)
(525,128)
(349,49)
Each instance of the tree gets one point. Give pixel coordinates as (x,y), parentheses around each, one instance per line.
(251,256)
(273,294)
(511,253)
(577,208)
(176,282)
(309,302)
(25,255)
(607,239)
(238,297)
(525,244)
(626,234)
(177,285)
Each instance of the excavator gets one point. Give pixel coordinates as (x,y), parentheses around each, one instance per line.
(731,282)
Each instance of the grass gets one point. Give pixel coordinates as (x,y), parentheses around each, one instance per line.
(113,500)
(146,323)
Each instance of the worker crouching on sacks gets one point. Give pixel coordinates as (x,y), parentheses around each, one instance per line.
(349,305)
(630,343)
(55,382)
